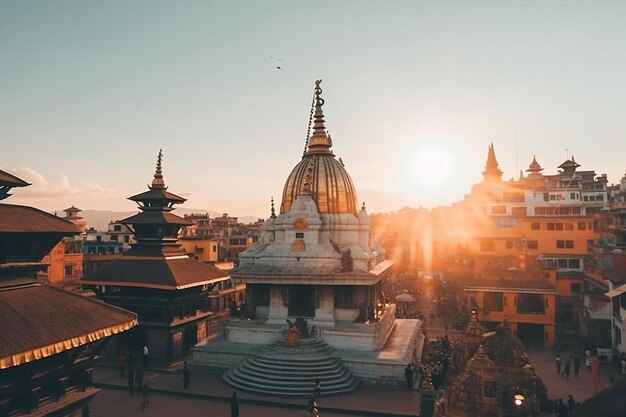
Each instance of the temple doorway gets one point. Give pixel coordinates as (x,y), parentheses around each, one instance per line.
(301,301)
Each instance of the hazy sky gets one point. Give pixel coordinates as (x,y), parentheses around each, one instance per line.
(89,92)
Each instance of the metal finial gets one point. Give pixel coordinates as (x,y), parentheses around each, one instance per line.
(273,215)
(158,175)
(319,101)
(363,206)
(319,141)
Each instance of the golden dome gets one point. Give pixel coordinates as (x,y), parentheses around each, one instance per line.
(326,179)
(319,173)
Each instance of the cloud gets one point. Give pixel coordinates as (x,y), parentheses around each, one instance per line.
(62,186)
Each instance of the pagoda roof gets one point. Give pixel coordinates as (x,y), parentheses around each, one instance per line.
(11,180)
(23,219)
(157,193)
(42,320)
(156,217)
(72,209)
(166,273)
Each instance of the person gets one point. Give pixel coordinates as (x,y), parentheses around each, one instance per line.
(568,365)
(317,387)
(312,404)
(186,376)
(234,405)
(121,360)
(145,393)
(576,366)
(145,356)
(623,366)
(588,359)
(571,404)
(562,409)
(408,376)
(131,381)
(558,363)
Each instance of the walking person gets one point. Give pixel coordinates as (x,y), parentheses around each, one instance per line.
(558,363)
(571,404)
(576,366)
(317,387)
(234,405)
(186,376)
(568,365)
(131,381)
(121,360)
(408,376)
(145,356)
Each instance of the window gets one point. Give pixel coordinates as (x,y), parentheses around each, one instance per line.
(518,211)
(569,226)
(573,263)
(562,263)
(576,210)
(582,226)
(532,244)
(575,288)
(299,235)
(493,301)
(599,198)
(69,270)
(559,226)
(344,297)
(117,228)
(126,238)
(546,196)
(551,226)
(530,304)
(498,210)
(572,196)
(214,248)
(565,244)
(586,198)
(113,238)
(535,226)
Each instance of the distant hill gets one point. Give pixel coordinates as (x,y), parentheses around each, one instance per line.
(99,219)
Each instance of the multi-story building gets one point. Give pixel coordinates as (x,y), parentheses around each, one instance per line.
(65,260)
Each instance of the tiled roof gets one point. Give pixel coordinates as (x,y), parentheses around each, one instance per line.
(11,180)
(149,217)
(28,219)
(172,273)
(41,320)
(157,194)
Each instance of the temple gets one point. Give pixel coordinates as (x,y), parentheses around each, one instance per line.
(49,337)
(158,280)
(315,270)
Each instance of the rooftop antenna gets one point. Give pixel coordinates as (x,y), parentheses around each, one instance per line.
(566,153)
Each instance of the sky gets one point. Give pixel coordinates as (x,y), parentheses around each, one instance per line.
(415,92)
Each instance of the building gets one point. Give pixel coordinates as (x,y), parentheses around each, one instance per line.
(155,278)
(316,275)
(65,260)
(49,337)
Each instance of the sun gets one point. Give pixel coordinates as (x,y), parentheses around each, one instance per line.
(430,168)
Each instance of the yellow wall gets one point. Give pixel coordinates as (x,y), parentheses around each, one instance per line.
(510,310)
(206,254)
(547,239)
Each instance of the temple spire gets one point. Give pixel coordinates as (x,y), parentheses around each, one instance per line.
(492,171)
(320,141)
(158,181)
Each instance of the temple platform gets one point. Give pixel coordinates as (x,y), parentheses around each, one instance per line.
(385,366)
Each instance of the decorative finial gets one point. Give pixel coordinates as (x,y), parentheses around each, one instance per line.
(320,141)
(341,162)
(273,215)
(363,206)
(158,175)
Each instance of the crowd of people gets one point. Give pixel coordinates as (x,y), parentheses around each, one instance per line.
(436,360)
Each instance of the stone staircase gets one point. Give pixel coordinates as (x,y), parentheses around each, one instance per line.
(289,372)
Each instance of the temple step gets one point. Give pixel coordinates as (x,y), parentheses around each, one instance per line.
(290,372)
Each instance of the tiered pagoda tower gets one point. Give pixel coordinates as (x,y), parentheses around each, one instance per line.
(156,279)
(49,337)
